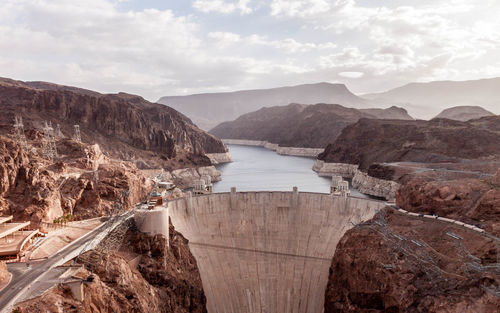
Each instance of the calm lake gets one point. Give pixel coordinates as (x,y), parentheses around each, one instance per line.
(260,169)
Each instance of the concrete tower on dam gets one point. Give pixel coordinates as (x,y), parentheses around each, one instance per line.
(266,251)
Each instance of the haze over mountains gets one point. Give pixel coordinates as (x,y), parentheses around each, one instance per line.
(426,100)
(421,100)
(209,109)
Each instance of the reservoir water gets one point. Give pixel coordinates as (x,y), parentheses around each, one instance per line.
(260,169)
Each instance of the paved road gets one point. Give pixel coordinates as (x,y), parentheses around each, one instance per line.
(23,279)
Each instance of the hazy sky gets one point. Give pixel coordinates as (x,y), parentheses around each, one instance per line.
(170,47)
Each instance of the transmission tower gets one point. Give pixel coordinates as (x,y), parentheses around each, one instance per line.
(49,148)
(77,136)
(96,176)
(58,133)
(19,136)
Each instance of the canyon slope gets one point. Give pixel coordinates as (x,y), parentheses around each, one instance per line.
(398,263)
(372,141)
(464,113)
(473,200)
(300,125)
(162,281)
(125,126)
(426,100)
(209,109)
(83,183)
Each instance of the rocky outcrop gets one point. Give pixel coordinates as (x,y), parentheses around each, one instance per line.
(372,141)
(299,125)
(144,276)
(186,177)
(219,158)
(373,186)
(363,182)
(464,113)
(473,201)
(125,126)
(397,263)
(333,169)
(82,182)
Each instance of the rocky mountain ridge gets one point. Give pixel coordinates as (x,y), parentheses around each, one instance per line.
(372,141)
(464,113)
(300,125)
(209,109)
(125,126)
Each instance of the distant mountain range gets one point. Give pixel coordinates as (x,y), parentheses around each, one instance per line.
(209,109)
(299,125)
(425,100)
(422,100)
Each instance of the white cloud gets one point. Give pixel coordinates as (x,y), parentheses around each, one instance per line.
(305,8)
(351,74)
(220,6)
(94,44)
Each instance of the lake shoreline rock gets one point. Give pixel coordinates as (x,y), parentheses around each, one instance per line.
(363,182)
(292,151)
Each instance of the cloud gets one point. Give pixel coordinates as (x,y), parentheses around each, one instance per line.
(220,45)
(220,6)
(351,74)
(305,8)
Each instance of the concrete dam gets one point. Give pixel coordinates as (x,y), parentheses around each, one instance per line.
(266,251)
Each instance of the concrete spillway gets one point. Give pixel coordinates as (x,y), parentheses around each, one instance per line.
(266,251)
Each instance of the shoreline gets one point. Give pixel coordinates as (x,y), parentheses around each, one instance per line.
(292,151)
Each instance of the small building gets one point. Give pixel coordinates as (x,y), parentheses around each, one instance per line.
(203,186)
(14,238)
(339,187)
(155,199)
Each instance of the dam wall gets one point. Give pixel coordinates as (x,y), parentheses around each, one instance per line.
(266,251)
(363,182)
(293,151)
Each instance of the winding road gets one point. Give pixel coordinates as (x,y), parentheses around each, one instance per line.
(22,280)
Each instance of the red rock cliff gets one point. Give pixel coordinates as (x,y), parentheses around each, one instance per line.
(163,281)
(125,126)
(403,264)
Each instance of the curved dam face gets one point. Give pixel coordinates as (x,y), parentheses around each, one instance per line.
(266,251)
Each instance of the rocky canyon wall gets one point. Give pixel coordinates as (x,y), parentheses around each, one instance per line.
(399,263)
(125,126)
(83,183)
(144,276)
